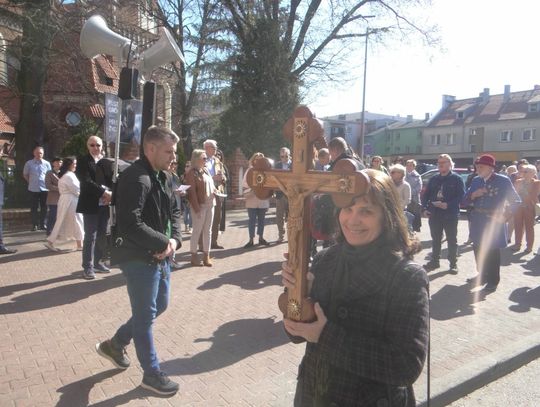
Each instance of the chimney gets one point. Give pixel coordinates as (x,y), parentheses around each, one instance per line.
(506,97)
(485,95)
(427,117)
(409,118)
(447,101)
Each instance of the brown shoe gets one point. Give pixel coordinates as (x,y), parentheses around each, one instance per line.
(195,260)
(207,261)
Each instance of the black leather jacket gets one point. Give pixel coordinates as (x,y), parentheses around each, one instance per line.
(145,205)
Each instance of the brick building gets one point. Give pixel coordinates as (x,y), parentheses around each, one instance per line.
(76,86)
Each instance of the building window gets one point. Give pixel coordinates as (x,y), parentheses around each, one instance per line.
(450,139)
(397,149)
(529,135)
(473,132)
(435,139)
(473,148)
(459,115)
(533,107)
(506,136)
(398,136)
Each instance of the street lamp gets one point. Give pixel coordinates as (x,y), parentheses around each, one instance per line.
(362,126)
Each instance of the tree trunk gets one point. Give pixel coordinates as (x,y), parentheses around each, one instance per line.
(36,40)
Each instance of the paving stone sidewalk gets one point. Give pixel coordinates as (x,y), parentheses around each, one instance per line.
(222,336)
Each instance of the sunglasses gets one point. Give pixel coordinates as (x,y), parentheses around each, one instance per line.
(95,145)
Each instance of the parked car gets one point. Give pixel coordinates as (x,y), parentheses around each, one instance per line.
(426,176)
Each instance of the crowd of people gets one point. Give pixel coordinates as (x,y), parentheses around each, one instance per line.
(369,339)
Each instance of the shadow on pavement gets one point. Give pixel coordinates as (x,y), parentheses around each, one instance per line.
(77,393)
(533,265)
(525,299)
(224,253)
(21,256)
(232,342)
(454,301)
(252,278)
(438,274)
(61,295)
(236,223)
(509,257)
(10,289)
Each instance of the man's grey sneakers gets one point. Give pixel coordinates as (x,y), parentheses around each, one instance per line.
(159,383)
(89,274)
(101,268)
(118,357)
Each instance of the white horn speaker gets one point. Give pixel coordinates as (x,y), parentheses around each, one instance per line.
(96,38)
(163,51)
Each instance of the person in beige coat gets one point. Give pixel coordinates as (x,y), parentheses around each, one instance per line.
(202,201)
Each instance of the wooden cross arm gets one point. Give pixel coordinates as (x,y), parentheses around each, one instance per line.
(342,186)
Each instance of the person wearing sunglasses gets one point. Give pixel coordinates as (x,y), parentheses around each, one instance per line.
(93,203)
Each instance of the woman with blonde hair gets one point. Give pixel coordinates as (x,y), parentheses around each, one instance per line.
(202,201)
(369,341)
(256,208)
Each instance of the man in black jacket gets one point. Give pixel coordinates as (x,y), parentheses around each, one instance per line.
(94,205)
(147,234)
(440,203)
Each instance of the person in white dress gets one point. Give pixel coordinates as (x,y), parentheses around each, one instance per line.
(69,224)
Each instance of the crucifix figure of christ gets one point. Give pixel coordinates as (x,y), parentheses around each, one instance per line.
(343,183)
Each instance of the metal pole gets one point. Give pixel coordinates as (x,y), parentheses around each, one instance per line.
(361,140)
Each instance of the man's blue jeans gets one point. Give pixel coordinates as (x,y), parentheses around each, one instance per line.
(256,217)
(148,288)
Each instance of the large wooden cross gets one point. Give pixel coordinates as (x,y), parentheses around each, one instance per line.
(344,182)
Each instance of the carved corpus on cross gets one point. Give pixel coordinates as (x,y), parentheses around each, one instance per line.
(343,183)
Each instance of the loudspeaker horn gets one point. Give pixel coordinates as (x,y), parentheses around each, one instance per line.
(164,51)
(96,38)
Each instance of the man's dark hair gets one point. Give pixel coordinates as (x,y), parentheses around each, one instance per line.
(338,144)
(156,134)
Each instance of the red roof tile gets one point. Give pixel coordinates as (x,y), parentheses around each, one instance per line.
(492,109)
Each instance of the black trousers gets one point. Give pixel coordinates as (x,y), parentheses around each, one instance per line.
(416,209)
(436,226)
(488,264)
(38,200)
